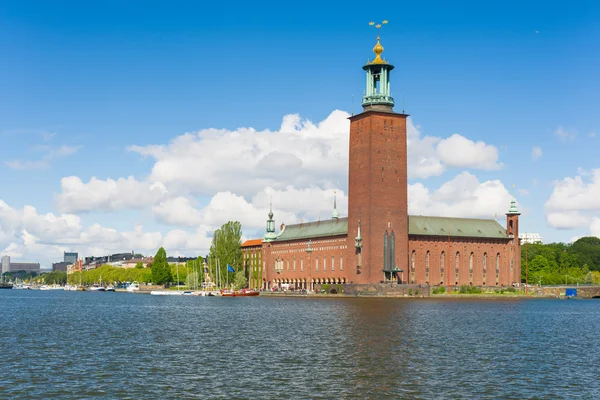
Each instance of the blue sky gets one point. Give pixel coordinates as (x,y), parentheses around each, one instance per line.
(81,82)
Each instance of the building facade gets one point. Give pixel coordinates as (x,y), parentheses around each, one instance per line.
(61,266)
(5,263)
(70,258)
(531,238)
(252,262)
(378,241)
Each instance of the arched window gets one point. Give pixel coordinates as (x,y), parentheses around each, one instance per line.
(442,260)
(324,264)
(427,266)
(456,265)
(386,254)
(484,266)
(316,264)
(294,265)
(471,268)
(341,263)
(332,263)
(484,263)
(302,265)
(497,268)
(412,266)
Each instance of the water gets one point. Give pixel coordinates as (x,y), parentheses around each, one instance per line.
(121,345)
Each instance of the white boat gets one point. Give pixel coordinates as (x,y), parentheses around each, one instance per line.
(96,288)
(166,293)
(133,287)
(22,286)
(51,287)
(110,289)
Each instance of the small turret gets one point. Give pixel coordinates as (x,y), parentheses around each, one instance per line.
(358,239)
(334,214)
(270,234)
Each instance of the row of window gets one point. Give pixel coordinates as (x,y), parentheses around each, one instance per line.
(303,250)
(456,265)
(281,264)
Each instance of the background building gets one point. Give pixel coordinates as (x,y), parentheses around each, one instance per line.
(5,263)
(529,237)
(61,266)
(70,258)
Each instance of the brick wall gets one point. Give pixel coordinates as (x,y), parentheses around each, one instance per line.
(377,191)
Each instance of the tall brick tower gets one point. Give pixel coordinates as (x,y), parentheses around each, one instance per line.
(377,182)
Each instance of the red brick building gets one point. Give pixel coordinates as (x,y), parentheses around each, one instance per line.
(379,241)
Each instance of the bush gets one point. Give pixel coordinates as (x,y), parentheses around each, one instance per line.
(439,290)
(466,289)
(410,292)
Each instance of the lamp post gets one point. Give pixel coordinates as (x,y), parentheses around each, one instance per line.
(448,258)
(526,265)
(309,250)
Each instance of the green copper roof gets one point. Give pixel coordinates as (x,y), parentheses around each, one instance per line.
(458,227)
(309,230)
(513,207)
(417,225)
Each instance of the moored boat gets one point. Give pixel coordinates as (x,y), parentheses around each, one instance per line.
(166,293)
(239,293)
(133,287)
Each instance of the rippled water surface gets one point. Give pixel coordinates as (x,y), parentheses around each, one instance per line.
(121,345)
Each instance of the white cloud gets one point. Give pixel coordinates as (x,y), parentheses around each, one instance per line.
(26,235)
(458,151)
(574,201)
(107,195)
(565,134)
(567,219)
(245,162)
(592,135)
(595,227)
(48,154)
(463,196)
(536,153)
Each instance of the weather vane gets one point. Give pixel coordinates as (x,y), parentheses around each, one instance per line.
(378,26)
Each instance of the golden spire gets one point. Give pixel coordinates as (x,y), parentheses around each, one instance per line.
(378,49)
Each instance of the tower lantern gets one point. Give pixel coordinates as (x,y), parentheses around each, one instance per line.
(377,92)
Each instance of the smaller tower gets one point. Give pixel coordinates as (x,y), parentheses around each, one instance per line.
(270,234)
(335,214)
(514,255)
(512,220)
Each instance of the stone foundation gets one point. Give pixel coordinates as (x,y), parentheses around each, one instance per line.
(377,290)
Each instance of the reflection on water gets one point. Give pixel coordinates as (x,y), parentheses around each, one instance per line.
(117,345)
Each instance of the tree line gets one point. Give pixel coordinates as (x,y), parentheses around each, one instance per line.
(562,263)
(225,250)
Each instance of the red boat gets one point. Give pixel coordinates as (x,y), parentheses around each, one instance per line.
(239,293)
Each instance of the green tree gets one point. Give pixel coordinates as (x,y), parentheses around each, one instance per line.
(240,280)
(139,265)
(161,272)
(226,249)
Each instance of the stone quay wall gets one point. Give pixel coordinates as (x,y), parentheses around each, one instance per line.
(377,290)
